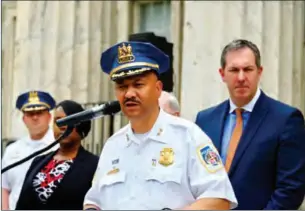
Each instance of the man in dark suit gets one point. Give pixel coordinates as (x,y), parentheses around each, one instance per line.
(261,140)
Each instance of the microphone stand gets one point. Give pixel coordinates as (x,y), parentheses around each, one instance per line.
(64,135)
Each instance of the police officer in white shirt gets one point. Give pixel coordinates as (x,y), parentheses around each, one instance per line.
(36,106)
(158,161)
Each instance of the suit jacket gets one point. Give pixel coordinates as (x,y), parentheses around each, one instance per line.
(70,193)
(268,169)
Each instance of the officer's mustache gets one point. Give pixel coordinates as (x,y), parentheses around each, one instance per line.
(131,100)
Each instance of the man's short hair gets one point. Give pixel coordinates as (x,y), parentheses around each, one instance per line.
(239,44)
(171,100)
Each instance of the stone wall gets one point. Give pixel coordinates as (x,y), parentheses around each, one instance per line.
(277,27)
(56,46)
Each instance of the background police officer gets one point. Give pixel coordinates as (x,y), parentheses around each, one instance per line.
(36,106)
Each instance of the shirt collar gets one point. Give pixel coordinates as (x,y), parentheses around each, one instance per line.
(155,133)
(249,107)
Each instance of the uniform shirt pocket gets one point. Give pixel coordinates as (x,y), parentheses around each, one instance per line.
(165,187)
(112,189)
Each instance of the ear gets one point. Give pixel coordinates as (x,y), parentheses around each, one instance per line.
(49,117)
(260,70)
(222,74)
(159,86)
(23,118)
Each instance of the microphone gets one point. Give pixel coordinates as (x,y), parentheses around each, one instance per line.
(108,108)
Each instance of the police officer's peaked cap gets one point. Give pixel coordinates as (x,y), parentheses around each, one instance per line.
(34,101)
(127,59)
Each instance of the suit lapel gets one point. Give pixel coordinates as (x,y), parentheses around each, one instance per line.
(256,118)
(77,163)
(218,123)
(37,168)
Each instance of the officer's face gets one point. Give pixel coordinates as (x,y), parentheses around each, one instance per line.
(37,122)
(72,138)
(138,95)
(241,75)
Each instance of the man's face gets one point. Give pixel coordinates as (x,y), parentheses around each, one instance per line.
(138,95)
(241,75)
(37,122)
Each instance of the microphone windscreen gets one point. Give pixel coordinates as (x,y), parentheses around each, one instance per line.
(112,107)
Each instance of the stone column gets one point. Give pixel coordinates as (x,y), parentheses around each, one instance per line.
(49,48)
(177,39)
(21,64)
(94,70)
(65,45)
(203,37)
(8,46)
(79,85)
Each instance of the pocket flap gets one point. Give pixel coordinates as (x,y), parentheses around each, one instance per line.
(111,179)
(165,176)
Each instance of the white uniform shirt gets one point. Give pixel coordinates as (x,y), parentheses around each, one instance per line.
(131,174)
(12,180)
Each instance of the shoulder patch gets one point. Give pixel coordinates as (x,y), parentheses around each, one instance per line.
(209,157)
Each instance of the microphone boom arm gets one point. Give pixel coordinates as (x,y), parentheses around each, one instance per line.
(64,135)
(109,108)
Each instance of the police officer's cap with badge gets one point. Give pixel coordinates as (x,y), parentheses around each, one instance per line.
(35,101)
(128,59)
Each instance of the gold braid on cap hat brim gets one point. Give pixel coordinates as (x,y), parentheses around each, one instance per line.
(129,73)
(134,64)
(36,106)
